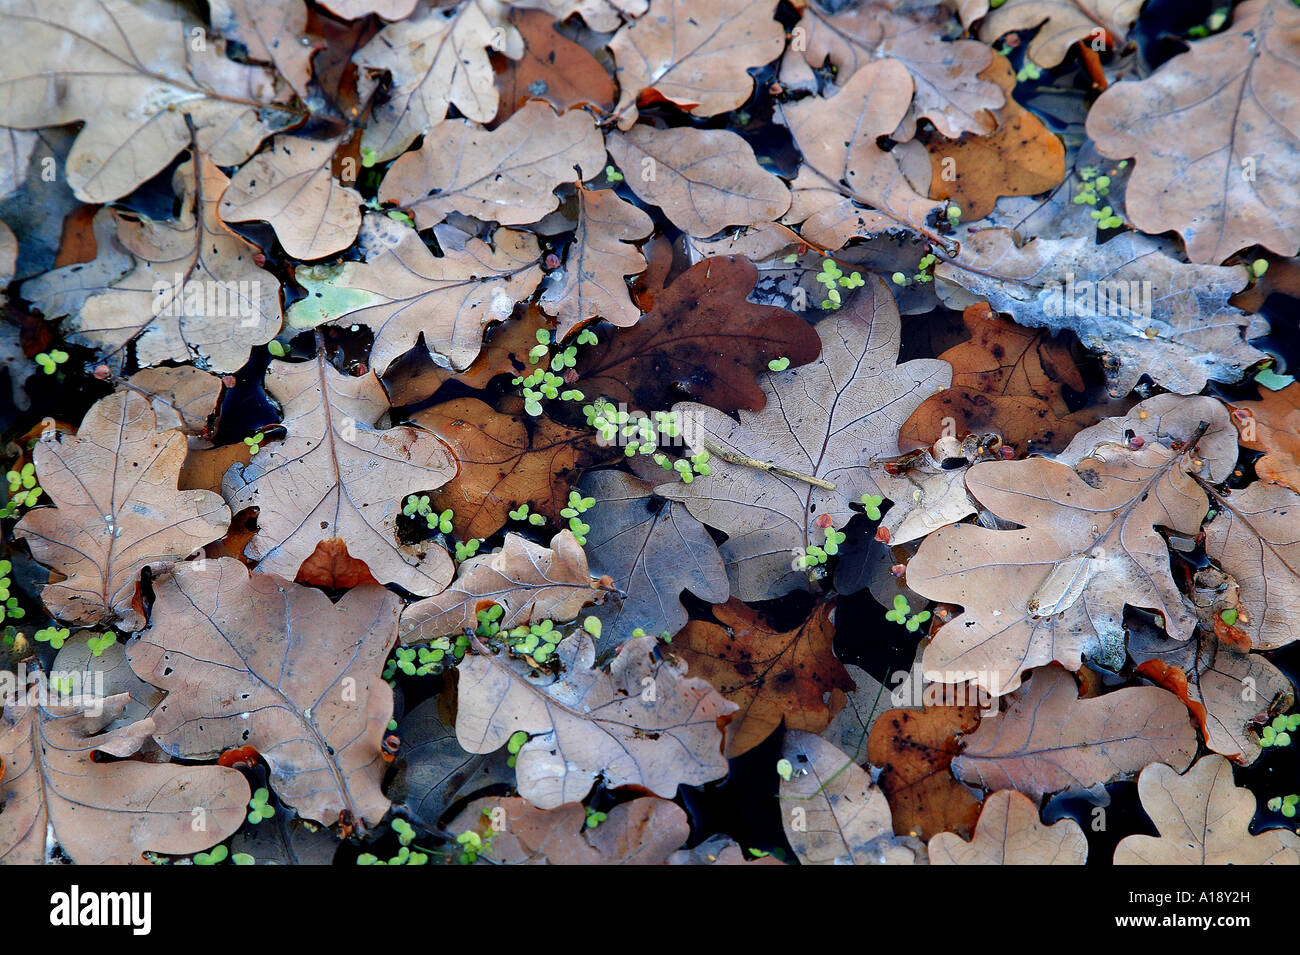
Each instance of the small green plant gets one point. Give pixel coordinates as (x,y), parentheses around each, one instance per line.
(784,769)
(487,621)
(397,215)
(215,856)
(466,550)
(368,157)
(1029,71)
(514,744)
(23,490)
(1259,267)
(243,858)
(1286,805)
(592,626)
(276,349)
(954,214)
(612,174)
(98,645)
(871,505)
(1229,616)
(521,513)
(1278,733)
(54,636)
(259,807)
(1106,218)
(595,818)
(901,611)
(254,442)
(833,277)
(778,364)
(51,360)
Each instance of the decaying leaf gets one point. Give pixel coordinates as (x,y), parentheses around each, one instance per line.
(592,284)
(435,59)
(696,57)
(701,336)
(1236,90)
(644,831)
(703,179)
(136,81)
(826,420)
(914,750)
(951,91)
(103,812)
(772,676)
(553,68)
(841,175)
(1061,24)
(1272,425)
(528,581)
(653,550)
(195,293)
(506,174)
(402,291)
(338,474)
(1010,833)
(1203,819)
(1056,588)
(255,660)
(182,397)
(504,461)
(834,814)
(117,511)
(272,31)
(1049,740)
(1146,312)
(291,187)
(645,723)
(1255,537)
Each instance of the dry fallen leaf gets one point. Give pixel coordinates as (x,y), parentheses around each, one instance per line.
(504,461)
(1062,24)
(834,814)
(703,179)
(117,511)
(505,175)
(1203,819)
(1010,833)
(553,68)
(291,187)
(826,420)
(402,291)
(528,581)
(271,31)
(103,812)
(1235,89)
(772,676)
(1049,740)
(696,57)
(1272,425)
(136,81)
(337,474)
(645,723)
(255,660)
(436,59)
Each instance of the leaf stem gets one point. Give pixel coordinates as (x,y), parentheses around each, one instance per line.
(745,460)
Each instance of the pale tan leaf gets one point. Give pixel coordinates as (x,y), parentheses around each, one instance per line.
(645,723)
(1049,740)
(183,397)
(436,59)
(402,291)
(117,511)
(695,56)
(834,814)
(1062,24)
(1203,819)
(196,292)
(356,9)
(336,474)
(528,581)
(826,420)
(255,660)
(592,284)
(1234,186)
(103,812)
(703,179)
(134,78)
(505,174)
(272,31)
(603,16)
(291,187)
(1010,833)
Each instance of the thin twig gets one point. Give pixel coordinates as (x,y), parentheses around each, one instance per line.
(745,460)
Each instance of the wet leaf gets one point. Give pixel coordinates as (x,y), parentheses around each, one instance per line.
(1010,833)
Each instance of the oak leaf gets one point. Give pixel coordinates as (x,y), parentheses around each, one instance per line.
(255,660)
(772,676)
(834,814)
(1056,588)
(135,80)
(703,179)
(504,461)
(1203,819)
(337,474)
(589,724)
(117,511)
(291,187)
(553,68)
(402,291)
(507,174)
(103,812)
(603,16)
(1235,89)
(825,420)
(652,550)
(1010,833)
(528,581)
(1049,740)
(1272,425)
(697,58)
(271,31)
(701,336)
(1061,24)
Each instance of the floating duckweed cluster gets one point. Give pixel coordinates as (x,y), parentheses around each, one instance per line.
(595,818)
(522,513)
(1278,733)
(871,505)
(405,833)
(254,442)
(577,506)
(922,274)
(1096,185)
(547,382)
(1286,805)
(417,505)
(428,660)
(8,603)
(833,277)
(901,611)
(23,490)
(814,556)
(259,807)
(51,360)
